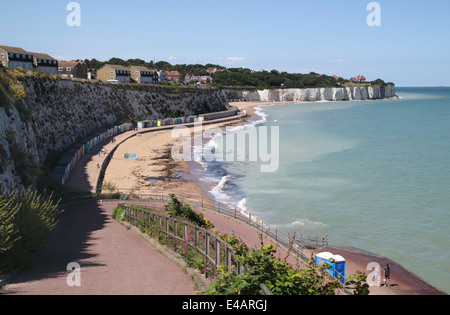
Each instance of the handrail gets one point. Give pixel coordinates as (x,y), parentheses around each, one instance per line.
(210,240)
(200,201)
(284,240)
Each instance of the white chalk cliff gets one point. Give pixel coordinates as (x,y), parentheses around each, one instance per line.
(315,94)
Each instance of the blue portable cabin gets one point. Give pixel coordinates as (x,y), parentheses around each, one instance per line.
(336,262)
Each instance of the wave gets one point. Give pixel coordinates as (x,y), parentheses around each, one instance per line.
(216,173)
(306,223)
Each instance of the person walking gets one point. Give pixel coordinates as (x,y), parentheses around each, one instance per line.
(387,275)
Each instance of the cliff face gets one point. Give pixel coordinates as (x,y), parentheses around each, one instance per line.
(55,114)
(315,94)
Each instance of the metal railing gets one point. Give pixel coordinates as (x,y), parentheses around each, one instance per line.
(216,251)
(200,201)
(296,246)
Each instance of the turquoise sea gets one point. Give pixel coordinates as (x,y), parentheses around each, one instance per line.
(369,174)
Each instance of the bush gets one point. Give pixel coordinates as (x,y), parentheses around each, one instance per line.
(8,210)
(27,222)
(261,266)
(117,213)
(176,209)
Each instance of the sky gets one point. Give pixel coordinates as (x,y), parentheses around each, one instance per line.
(411,47)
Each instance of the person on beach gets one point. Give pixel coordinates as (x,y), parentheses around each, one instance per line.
(387,275)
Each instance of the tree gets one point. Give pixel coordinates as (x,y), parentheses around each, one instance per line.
(135,62)
(117,61)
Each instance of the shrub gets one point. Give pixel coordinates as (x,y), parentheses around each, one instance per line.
(118,213)
(176,209)
(261,266)
(8,210)
(29,220)
(109,186)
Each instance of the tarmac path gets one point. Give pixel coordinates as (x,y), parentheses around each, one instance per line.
(113,260)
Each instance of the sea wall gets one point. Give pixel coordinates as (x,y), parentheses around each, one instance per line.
(55,114)
(314,94)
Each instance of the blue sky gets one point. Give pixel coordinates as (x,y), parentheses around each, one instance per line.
(410,48)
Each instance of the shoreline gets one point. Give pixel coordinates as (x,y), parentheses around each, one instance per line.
(153,150)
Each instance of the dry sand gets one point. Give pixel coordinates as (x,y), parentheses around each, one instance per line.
(154,170)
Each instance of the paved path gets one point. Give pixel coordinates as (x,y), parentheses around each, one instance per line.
(113,260)
(403,281)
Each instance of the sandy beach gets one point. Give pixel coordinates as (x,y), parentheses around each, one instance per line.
(155,170)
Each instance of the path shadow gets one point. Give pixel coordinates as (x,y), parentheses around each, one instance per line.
(69,243)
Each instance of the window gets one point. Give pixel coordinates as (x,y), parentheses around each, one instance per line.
(69,69)
(3,55)
(60,68)
(112,72)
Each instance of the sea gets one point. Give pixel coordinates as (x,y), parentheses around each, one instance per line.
(369,174)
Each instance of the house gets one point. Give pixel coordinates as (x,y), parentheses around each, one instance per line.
(45,63)
(206,79)
(162,76)
(197,78)
(174,76)
(141,74)
(14,57)
(191,77)
(72,69)
(359,78)
(114,72)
